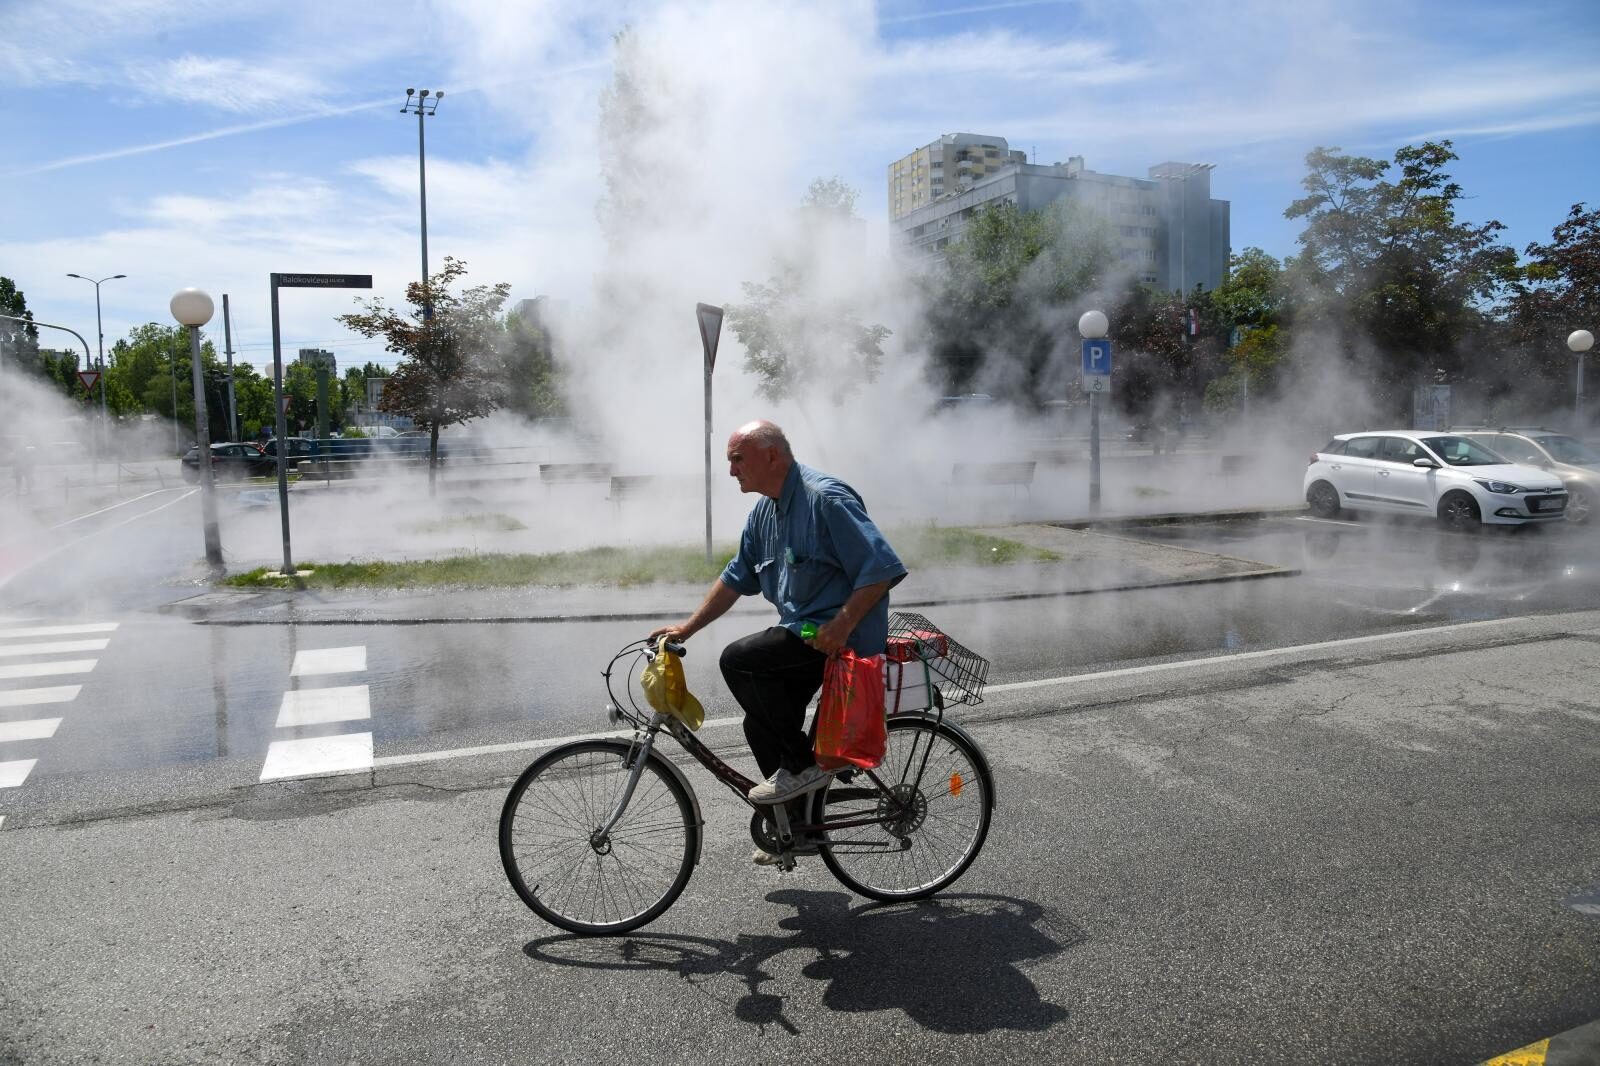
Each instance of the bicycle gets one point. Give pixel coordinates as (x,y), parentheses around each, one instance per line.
(601,836)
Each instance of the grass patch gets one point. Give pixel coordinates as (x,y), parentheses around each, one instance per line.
(621,567)
(491,522)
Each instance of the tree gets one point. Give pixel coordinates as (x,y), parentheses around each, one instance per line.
(1390,264)
(1251,306)
(448,362)
(532,374)
(353,386)
(1006,296)
(19,341)
(1558,291)
(797,331)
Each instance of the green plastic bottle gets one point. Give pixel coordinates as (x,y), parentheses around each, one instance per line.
(808,629)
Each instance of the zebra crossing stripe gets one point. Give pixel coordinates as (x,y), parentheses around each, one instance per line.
(36,729)
(27,697)
(318,706)
(314,756)
(15,772)
(69,666)
(57,647)
(314,661)
(58,631)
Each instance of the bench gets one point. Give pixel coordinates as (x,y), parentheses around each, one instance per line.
(569,473)
(1017,474)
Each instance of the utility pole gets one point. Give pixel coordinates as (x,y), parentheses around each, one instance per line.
(233,403)
(100,332)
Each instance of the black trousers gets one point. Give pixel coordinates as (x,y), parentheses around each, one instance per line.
(773,674)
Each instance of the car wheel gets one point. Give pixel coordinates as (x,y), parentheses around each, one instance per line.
(1324,500)
(1459,511)
(1580,505)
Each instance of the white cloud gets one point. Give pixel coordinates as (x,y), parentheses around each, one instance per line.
(227,83)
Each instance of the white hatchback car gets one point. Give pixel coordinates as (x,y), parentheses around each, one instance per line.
(1457,480)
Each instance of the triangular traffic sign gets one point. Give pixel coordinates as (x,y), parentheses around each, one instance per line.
(710,331)
(90,379)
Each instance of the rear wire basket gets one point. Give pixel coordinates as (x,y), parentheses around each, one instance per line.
(962,672)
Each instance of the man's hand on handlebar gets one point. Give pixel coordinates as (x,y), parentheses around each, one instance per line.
(676,634)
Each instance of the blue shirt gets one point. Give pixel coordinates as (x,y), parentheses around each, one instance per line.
(809,549)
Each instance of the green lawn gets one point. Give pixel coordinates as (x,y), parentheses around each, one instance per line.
(623,567)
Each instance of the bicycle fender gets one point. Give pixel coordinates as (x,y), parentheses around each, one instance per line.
(977,749)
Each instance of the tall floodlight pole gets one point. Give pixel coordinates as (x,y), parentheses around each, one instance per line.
(1579,341)
(710,319)
(192,308)
(233,402)
(100,332)
(1092,327)
(423,104)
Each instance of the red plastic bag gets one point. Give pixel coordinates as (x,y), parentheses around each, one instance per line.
(851,730)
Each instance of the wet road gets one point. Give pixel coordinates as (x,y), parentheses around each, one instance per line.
(168,709)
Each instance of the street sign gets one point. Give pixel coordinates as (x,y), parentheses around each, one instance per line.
(90,379)
(1097,366)
(322,281)
(710,319)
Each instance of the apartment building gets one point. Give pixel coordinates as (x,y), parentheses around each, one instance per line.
(1168,230)
(954,161)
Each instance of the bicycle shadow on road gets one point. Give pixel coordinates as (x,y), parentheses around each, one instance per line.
(950,964)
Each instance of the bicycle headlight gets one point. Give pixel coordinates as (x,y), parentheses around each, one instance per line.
(1500,488)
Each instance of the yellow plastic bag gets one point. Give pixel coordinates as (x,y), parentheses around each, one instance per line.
(664,686)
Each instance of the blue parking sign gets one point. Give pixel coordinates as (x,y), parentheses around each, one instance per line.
(1097,357)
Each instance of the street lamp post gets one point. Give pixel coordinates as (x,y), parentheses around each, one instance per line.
(1093,326)
(100,333)
(193,308)
(1579,341)
(423,104)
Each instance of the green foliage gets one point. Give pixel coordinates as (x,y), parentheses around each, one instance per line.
(1558,291)
(448,366)
(1009,291)
(798,335)
(534,382)
(1388,264)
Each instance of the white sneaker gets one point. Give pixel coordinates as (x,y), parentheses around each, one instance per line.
(783,785)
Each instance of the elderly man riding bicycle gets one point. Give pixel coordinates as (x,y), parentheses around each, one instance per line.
(809,547)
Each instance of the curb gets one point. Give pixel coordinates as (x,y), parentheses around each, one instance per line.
(1176,518)
(1575,1047)
(198,613)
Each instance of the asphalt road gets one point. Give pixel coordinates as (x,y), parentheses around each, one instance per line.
(1374,846)
(1374,851)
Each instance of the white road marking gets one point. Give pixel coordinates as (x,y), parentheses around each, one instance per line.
(2,821)
(113,507)
(523,745)
(1328,521)
(59,631)
(349,753)
(329,661)
(27,697)
(15,772)
(56,647)
(1292,650)
(318,706)
(34,729)
(68,666)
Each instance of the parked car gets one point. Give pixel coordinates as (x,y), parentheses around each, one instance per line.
(1570,459)
(232,460)
(1459,481)
(294,449)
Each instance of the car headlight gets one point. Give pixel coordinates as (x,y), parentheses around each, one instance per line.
(1500,488)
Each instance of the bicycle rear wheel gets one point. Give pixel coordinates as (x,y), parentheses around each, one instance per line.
(585,885)
(927,830)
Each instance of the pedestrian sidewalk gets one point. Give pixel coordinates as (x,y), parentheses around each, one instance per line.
(1092,560)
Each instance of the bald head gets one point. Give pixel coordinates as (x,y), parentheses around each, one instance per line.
(759,457)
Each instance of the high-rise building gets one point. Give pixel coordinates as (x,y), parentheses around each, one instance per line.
(315,357)
(953,162)
(1167,229)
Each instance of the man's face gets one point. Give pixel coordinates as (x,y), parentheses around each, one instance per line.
(751,465)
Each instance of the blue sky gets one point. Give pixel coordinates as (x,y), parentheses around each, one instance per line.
(207,145)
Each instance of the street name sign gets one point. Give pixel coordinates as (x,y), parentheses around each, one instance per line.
(322,281)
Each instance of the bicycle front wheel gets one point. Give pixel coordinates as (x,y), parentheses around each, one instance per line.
(925,830)
(568,874)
